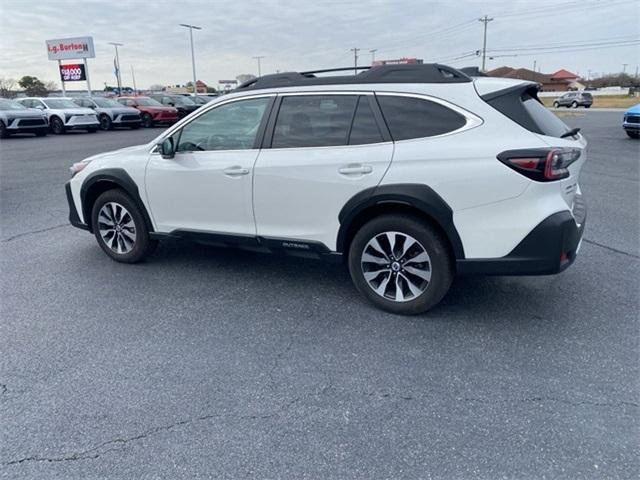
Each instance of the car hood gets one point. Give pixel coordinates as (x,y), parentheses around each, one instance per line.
(30,113)
(119,110)
(131,150)
(635,110)
(74,111)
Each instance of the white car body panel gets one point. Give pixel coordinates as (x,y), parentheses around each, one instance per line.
(297,193)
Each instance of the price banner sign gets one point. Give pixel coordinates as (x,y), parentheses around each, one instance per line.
(72,72)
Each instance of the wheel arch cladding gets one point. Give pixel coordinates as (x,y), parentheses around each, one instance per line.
(101,181)
(403,197)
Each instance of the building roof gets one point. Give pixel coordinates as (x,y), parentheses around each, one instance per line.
(563,74)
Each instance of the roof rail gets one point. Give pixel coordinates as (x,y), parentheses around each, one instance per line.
(404,73)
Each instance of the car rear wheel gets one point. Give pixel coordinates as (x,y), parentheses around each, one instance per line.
(401,264)
(57,126)
(556,105)
(147,120)
(120,228)
(574,104)
(105,122)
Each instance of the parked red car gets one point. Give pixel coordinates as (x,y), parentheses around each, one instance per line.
(153,112)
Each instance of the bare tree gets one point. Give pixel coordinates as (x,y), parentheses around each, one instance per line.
(8,87)
(51,86)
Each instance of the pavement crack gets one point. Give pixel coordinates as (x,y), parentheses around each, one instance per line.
(3,388)
(540,399)
(33,232)
(611,249)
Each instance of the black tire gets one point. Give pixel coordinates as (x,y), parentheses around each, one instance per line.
(147,120)
(556,105)
(634,135)
(105,122)
(41,133)
(57,126)
(142,246)
(429,239)
(574,104)
(587,106)
(4,133)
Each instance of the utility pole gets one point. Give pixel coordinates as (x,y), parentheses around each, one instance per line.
(193,57)
(534,68)
(624,67)
(373,55)
(258,58)
(355,59)
(484,20)
(133,75)
(118,76)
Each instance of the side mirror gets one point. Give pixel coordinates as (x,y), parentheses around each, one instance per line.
(166,148)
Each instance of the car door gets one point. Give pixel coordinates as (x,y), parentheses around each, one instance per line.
(206,186)
(323,149)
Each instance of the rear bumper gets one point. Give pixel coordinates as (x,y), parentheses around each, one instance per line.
(548,249)
(74,219)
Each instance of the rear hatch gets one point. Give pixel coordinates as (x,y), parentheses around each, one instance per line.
(521,104)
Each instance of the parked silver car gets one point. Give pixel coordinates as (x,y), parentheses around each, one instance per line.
(16,118)
(64,114)
(111,113)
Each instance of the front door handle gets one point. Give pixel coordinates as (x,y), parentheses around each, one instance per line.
(356,169)
(236,171)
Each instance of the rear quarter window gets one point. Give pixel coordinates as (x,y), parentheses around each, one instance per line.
(411,117)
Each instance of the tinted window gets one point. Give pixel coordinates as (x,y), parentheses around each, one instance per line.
(364,128)
(232,126)
(410,117)
(547,122)
(524,108)
(314,121)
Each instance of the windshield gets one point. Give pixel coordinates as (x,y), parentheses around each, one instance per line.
(199,100)
(106,103)
(59,103)
(182,100)
(10,105)
(147,102)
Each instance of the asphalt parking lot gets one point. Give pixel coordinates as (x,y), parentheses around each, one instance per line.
(212,363)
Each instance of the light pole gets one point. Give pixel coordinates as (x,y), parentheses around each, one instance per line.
(118,77)
(193,57)
(258,58)
(355,51)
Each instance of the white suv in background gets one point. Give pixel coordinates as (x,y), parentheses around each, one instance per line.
(411,173)
(64,114)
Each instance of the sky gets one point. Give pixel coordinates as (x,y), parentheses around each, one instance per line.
(581,35)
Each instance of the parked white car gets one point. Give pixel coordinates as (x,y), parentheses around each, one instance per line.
(16,118)
(110,113)
(410,173)
(63,114)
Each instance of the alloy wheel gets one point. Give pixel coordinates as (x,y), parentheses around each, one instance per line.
(117,228)
(396,266)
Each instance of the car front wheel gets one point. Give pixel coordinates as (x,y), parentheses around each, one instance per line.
(574,104)
(401,264)
(105,122)
(147,121)
(57,126)
(556,104)
(120,228)
(635,135)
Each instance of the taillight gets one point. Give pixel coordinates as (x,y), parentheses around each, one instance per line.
(541,164)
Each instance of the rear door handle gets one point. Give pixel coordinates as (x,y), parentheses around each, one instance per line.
(355,170)
(236,171)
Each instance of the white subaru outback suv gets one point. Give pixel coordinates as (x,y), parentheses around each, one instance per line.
(411,173)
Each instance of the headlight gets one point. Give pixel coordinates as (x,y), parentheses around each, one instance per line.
(78,167)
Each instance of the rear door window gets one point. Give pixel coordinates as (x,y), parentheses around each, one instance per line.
(314,121)
(411,117)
